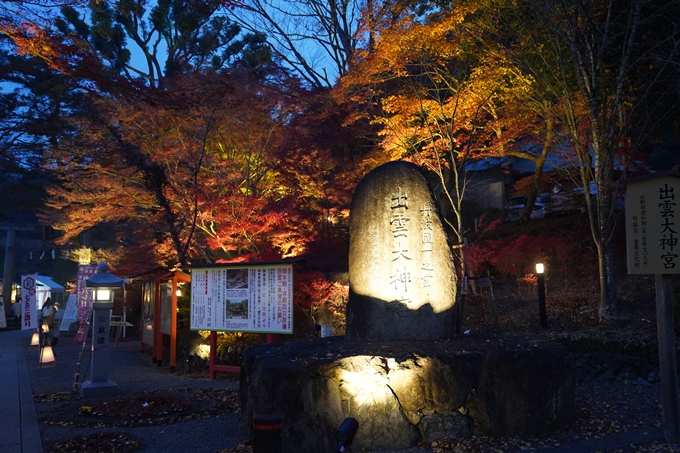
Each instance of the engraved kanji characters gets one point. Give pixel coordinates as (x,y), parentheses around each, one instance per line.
(668,240)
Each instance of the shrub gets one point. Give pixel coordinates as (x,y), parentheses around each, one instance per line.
(516,257)
(322,299)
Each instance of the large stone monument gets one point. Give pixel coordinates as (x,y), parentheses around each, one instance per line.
(402,275)
(404,375)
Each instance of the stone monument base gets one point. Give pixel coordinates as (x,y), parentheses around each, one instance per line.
(98,389)
(402,393)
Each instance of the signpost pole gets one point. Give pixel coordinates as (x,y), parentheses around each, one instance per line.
(667,360)
(173,325)
(3,319)
(213,355)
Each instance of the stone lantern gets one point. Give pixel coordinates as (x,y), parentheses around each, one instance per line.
(103,283)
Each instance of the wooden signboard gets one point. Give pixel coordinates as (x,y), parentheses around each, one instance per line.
(653,225)
(652,232)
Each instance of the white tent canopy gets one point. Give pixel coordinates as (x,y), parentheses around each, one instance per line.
(46,287)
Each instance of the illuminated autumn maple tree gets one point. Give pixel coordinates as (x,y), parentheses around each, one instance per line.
(197,178)
(439,97)
(442,96)
(177,152)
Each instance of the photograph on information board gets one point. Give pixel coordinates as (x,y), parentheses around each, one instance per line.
(243,298)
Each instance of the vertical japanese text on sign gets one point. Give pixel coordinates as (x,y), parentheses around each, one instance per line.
(651,225)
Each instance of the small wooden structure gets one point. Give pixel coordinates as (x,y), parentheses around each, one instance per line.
(159,311)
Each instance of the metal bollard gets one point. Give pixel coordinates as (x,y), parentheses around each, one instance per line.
(266,434)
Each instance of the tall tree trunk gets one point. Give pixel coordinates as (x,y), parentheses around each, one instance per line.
(540,163)
(8,274)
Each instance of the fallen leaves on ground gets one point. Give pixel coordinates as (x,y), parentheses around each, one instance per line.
(147,409)
(98,443)
(55,397)
(144,406)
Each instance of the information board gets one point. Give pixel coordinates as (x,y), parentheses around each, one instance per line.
(243,298)
(653,225)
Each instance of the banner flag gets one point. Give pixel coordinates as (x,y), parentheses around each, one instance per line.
(84,294)
(29,309)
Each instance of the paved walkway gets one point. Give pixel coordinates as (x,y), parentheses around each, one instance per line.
(19,422)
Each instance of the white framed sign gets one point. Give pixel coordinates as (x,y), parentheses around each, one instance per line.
(70,313)
(653,225)
(242,297)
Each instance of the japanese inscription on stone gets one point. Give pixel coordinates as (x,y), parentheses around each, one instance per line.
(402,278)
(102,326)
(405,269)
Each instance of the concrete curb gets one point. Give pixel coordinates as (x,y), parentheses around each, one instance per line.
(18,415)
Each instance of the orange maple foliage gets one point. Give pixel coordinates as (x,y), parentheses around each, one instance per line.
(439,97)
(437,94)
(33,41)
(190,171)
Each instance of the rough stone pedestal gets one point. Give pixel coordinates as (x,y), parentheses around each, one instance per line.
(405,392)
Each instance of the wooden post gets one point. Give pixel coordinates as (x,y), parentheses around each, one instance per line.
(157,335)
(651,248)
(173,326)
(667,362)
(213,355)
(543,317)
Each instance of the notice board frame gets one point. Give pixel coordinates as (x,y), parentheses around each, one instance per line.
(213,366)
(223,299)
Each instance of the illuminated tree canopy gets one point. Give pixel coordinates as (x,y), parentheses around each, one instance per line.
(200,127)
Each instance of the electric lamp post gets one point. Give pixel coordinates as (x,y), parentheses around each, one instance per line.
(540,274)
(103,283)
